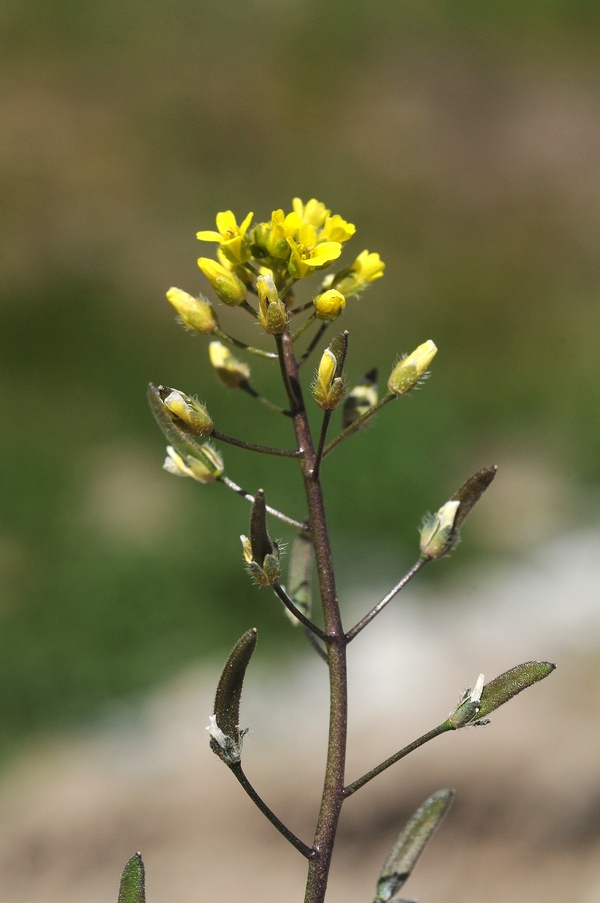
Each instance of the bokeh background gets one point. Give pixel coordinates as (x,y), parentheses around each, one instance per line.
(463,140)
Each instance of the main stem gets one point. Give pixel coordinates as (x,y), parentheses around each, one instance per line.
(333,789)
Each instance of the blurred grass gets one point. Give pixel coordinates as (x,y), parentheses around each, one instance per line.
(462,139)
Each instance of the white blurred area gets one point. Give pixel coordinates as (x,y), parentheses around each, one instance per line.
(525,825)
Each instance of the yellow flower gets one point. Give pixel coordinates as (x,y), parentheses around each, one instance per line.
(279,230)
(231,371)
(229,288)
(307,253)
(329,305)
(231,237)
(409,370)
(337,229)
(314,213)
(196,314)
(366,268)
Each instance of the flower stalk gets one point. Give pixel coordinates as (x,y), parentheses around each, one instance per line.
(266,261)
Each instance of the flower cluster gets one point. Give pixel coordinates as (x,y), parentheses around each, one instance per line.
(291,246)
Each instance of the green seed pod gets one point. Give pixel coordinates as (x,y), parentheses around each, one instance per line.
(474,706)
(225,734)
(410,844)
(511,682)
(300,576)
(133,882)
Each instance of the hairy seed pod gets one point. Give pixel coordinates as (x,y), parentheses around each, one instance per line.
(226,736)
(133,881)
(470,492)
(410,844)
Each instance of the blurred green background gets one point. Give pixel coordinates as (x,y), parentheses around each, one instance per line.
(463,140)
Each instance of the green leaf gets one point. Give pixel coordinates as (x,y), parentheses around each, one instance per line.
(507,685)
(133,882)
(410,844)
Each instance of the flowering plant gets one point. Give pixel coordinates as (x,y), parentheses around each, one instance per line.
(265,262)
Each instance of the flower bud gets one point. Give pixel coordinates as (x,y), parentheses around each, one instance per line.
(437,532)
(467,709)
(205,465)
(407,372)
(440,532)
(328,389)
(329,304)
(366,269)
(272,312)
(194,313)
(226,285)
(193,414)
(229,370)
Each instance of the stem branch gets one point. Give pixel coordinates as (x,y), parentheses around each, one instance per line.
(236,343)
(279,590)
(246,495)
(358,423)
(356,785)
(250,390)
(264,449)
(393,592)
(258,801)
(322,438)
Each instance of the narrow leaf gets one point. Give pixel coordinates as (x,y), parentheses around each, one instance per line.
(300,575)
(507,685)
(133,882)
(410,844)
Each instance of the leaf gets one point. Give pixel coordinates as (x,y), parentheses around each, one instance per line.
(133,882)
(410,844)
(507,685)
